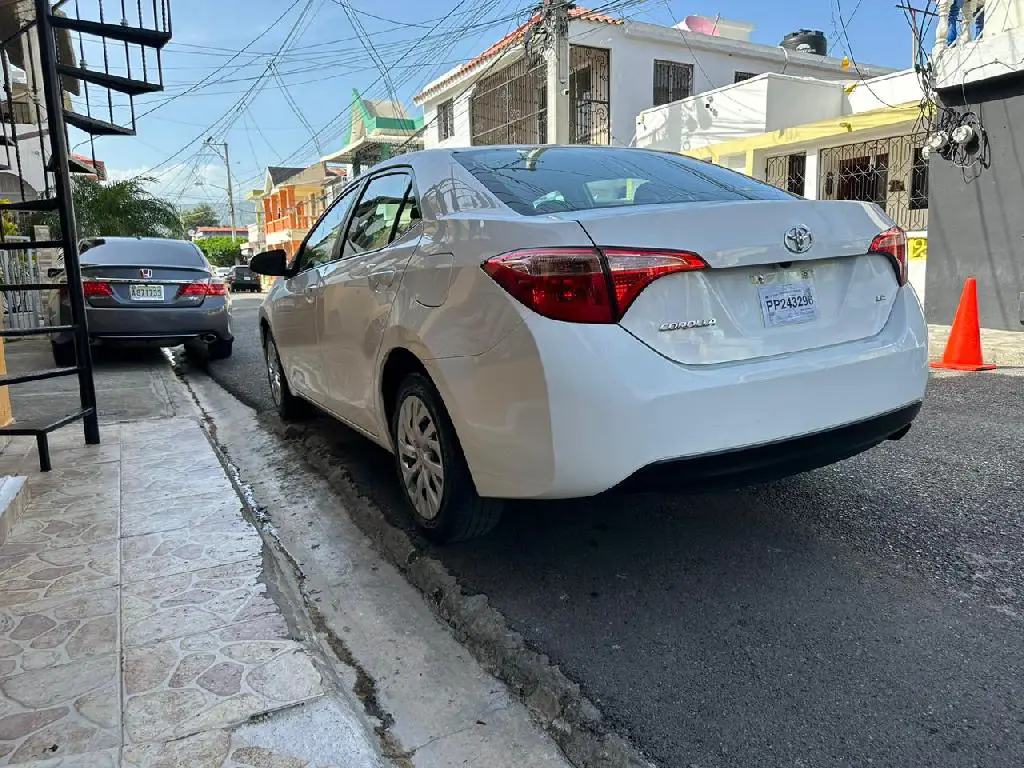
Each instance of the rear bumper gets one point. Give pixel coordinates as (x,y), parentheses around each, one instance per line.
(771,461)
(560,410)
(164,326)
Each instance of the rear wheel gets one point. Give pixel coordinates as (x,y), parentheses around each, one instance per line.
(432,468)
(220,349)
(289,407)
(64,354)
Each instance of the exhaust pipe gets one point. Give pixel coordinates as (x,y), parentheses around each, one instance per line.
(900,433)
(208,338)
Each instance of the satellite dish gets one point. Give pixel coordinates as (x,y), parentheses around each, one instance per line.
(701,24)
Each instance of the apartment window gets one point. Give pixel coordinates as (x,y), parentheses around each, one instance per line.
(919,182)
(445,120)
(739,77)
(672,81)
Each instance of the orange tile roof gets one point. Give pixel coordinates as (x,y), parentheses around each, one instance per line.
(579,14)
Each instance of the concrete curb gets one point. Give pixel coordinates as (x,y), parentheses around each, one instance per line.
(557,702)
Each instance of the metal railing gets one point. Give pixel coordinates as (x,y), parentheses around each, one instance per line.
(890,172)
(510,106)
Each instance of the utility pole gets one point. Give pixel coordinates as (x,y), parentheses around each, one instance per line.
(554,26)
(231,190)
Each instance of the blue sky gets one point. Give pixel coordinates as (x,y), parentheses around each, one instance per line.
(325,60)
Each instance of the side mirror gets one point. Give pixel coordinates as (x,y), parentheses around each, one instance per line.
(270,263)
(53,272)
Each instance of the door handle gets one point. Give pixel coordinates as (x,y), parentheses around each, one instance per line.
(313,290)
(382,278)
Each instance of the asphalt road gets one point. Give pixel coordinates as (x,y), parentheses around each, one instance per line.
(869,613)
(243,373)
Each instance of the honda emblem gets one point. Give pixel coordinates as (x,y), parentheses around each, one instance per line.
(146,273)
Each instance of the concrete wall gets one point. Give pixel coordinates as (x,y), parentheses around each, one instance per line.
(976,225)
(736,111)
(461,138)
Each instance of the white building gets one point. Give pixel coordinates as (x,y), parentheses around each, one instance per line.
(617,69)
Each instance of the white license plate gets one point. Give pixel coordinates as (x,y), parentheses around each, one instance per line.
(787,304)
(146,292)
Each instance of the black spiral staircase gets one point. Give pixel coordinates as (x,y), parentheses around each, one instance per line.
(40,38)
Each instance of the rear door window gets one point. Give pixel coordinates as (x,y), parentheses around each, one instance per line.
(553,179)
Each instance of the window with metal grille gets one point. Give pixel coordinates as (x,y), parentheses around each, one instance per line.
(445,120)
(739,77)
(918,182)
(787,172)
(672,81)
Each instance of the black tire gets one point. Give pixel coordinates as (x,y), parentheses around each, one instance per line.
(461,514)
(64,354)
(220,349)
(289,407)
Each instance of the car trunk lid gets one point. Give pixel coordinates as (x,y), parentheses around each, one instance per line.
(144,285)
(758,298)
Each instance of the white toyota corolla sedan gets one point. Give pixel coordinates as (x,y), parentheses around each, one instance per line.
(553,322)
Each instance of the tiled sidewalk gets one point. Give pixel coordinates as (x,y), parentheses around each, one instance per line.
(134,626)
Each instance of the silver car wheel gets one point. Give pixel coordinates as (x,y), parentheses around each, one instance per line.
(274,372)
(419,456)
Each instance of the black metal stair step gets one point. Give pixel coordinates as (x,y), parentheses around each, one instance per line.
(30,286)
(95,127)
(11,333)
(44,425)
(150,38)
(114,82)
(46,204)
(46,373)
(11,245)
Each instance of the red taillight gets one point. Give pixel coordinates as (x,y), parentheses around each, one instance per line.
(584,285)
(202,288)
(633,270)
(96,290)
(893,243)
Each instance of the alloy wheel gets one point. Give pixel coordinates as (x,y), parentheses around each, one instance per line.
(419,457)
(274,372)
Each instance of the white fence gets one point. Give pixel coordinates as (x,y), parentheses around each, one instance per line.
(21,309)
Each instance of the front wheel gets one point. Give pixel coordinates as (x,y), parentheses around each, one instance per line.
(432,468)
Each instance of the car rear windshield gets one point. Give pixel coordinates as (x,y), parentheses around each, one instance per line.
(553,179)
(138,252)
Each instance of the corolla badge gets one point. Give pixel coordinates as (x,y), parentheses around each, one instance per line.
(798,240)
(688,324)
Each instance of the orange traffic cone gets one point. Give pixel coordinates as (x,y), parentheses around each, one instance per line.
(963,350)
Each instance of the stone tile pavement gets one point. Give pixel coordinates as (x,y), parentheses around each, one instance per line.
(135,627)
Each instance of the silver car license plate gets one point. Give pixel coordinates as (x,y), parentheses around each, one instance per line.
(146,292)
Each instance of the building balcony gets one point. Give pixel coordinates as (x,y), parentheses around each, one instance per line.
(977,40)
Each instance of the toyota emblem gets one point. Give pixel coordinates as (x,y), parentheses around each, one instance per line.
(798,240)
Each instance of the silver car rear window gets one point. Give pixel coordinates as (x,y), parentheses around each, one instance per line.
(133,252)
(539,180)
